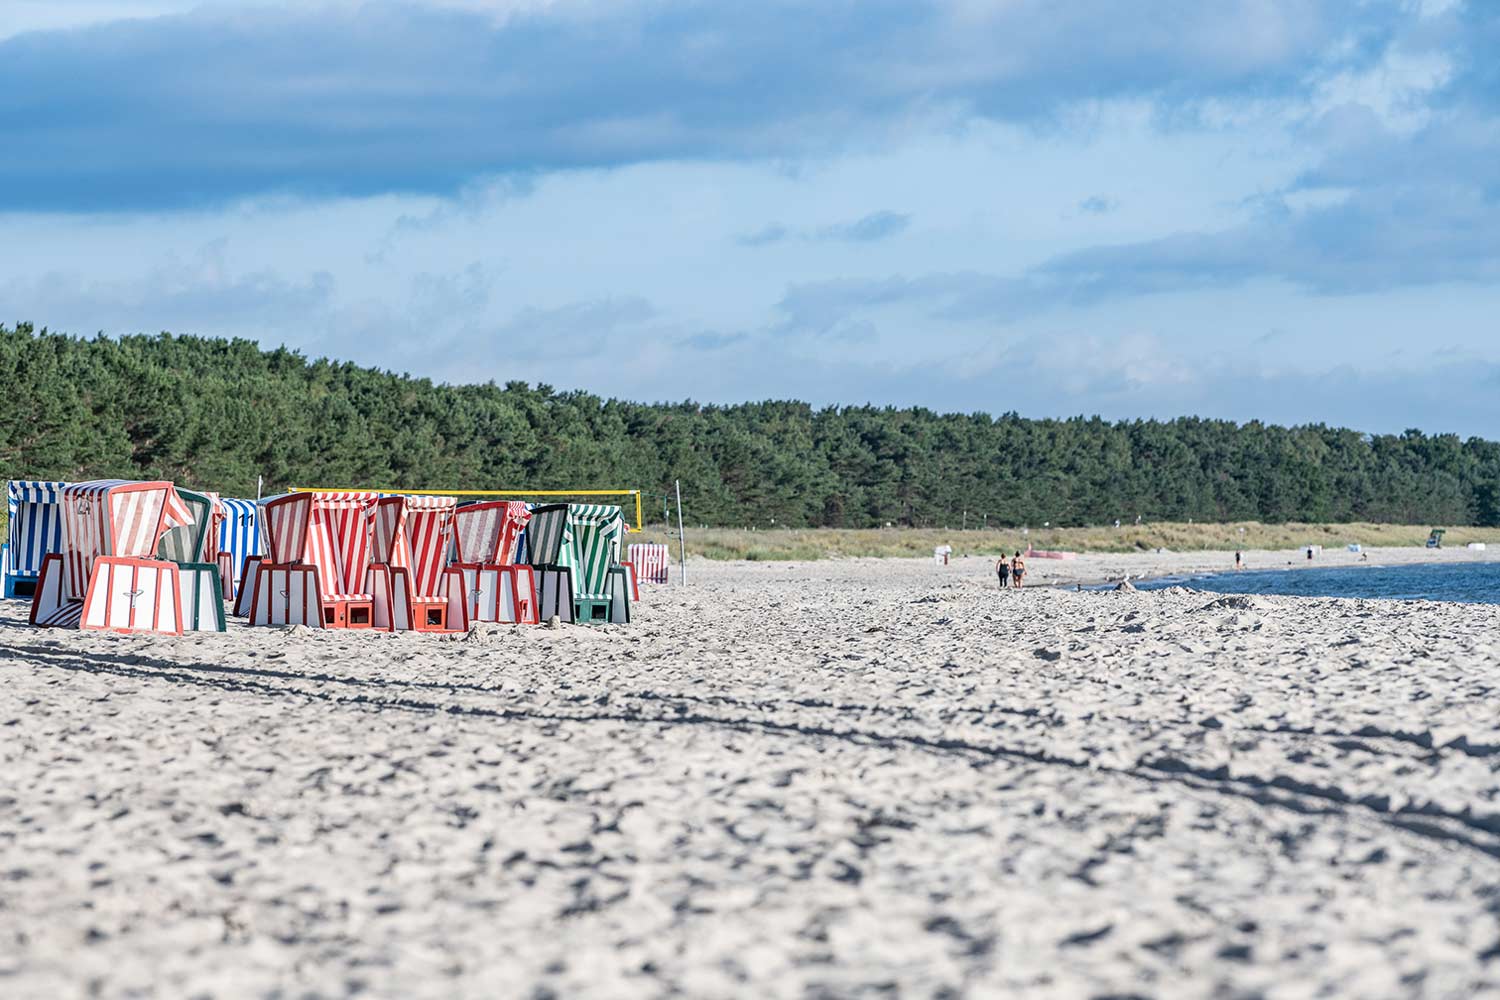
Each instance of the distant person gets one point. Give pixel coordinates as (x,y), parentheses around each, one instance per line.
(1017,571)
(1238,563)
(1002,568)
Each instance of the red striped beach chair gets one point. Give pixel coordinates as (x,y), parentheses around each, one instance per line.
(409,578)
(107,575)
(319,555)
(650,560)
(485,536)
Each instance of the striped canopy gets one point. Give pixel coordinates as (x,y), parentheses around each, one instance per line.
(239,534)
(413,532)
(115,517)
(584,537)
(487,532)
(189,543)
(35,524)
(328,530)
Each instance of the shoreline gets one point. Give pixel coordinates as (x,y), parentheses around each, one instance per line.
(1092,570)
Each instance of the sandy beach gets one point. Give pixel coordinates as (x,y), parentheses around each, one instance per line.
(834,779)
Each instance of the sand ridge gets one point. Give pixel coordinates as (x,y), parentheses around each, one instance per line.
(830,779)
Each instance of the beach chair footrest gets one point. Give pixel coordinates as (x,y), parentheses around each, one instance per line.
(348,614)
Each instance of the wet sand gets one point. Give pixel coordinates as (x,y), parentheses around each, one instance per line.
(829,779)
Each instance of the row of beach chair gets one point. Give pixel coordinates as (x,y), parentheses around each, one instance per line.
(153,557)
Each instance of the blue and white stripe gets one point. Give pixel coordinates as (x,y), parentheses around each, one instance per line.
(35,526)
(239,532)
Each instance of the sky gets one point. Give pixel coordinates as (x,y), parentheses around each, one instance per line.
(1276,210)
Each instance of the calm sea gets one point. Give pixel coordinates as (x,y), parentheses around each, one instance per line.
(1472,583)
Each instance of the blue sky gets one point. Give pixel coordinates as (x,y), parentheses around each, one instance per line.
(1285,210)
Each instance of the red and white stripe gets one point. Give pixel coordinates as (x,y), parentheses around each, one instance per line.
(115,517)
(429,530)
(330,531)
(413,533)
(285,520)
(488,532)
(651,561)
(210,552)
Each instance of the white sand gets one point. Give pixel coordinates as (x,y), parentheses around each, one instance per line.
(836,779)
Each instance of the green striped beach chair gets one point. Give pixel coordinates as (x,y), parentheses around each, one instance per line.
(201,591)
(575,549)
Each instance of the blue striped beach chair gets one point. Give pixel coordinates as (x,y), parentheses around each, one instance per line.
(35,508)
(239,538)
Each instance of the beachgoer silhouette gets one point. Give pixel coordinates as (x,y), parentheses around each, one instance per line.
(1002,568)
(1017,570)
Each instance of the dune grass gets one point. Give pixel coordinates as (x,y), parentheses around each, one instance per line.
(805,544)
(832,543)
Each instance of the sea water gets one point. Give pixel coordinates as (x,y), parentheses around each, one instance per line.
(1471,583)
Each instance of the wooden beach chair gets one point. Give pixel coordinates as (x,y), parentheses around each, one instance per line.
(651,560)
(107,575)
(238,539)
(35,532)
(194,548)
(318,554)
(485,539)
(575,546)
(409,579)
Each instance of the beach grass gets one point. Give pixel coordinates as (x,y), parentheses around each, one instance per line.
(798,545)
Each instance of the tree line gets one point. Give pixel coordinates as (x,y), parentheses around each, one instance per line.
(218,413)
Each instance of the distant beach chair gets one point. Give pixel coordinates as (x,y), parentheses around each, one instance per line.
(409,579)
(1435,538)
(318,552)
(651,560)
(107,575)
(486,537)
(574,547)
(35,532)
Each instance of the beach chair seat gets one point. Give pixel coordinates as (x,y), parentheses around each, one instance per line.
(237,534)
(201,597)
(348,610)
(50,605)
(127,594)
(414,587)
(398,608)
(285,594)
(554,588)
(610,606)
(591,609)
(619,594)
(496,593)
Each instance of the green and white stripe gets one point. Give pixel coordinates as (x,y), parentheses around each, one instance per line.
(591,545)
(185,544)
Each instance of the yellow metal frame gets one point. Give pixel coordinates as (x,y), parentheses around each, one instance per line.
(485,493)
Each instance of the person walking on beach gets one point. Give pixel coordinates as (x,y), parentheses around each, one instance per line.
(1017,570)
(1002,568)
(1237,563)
